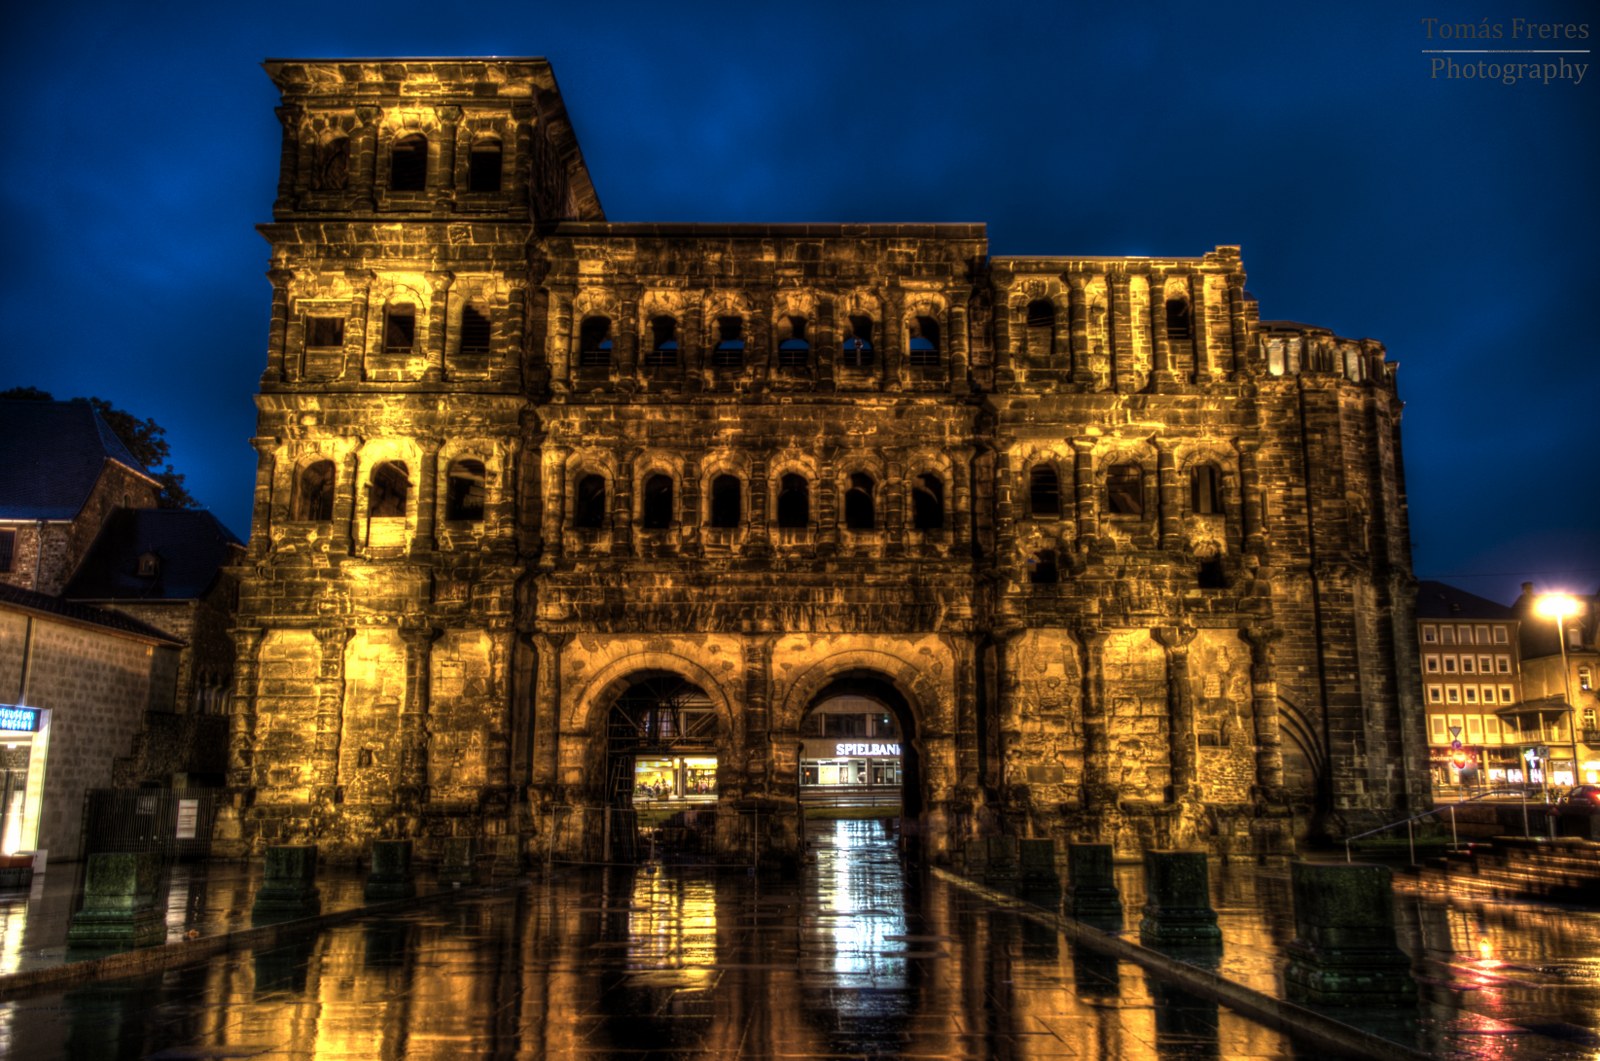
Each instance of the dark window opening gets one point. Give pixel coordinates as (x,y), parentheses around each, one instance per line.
(657,514)
(663,351)
(332,173)
(324,331)
(1041,333)
(8,549)
(474,330)
(408,164)
(727,501)
(589,505)
(1212,575)
(794,501)
(1042,568)
(483,167)
(1178,326)
(1125,490)
(860,513)
(794,352)
(1044,492)
(594,343)
(730,343)
(388,490)
(1205,490)
(149,565)
(927,502)
(313,492)
(464,490)
(925,343)
(856,351)
(400,329)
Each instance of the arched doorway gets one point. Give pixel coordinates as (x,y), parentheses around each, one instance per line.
(859,757)
(661,769)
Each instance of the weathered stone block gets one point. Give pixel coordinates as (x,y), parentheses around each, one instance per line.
(390,876)
(1038,860)
(120,907)
(1344,951)
(1177,909)
(459,862)
(288,885)
(1092,895)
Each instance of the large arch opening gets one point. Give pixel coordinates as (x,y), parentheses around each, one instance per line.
(661,769)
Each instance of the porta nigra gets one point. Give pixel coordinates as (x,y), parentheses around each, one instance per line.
(1099,553)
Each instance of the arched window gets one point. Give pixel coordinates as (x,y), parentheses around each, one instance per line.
(1205,490)
(1125,490)
(483,166)
(474,329)
(408,164)
(860,513)
(794,501)
(656,511)
(727,501)
(463,498)
(794,351)
(332,173)
(1041,334)
(924,343)
(856,350)
(388,489)
(927,502)
(589,503)
(1044,492)
(663,351)
(1178,318)
(729,352)
(1042,568)
(594,343)
(400,328)
(313,492)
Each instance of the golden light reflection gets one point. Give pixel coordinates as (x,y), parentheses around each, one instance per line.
(672,924)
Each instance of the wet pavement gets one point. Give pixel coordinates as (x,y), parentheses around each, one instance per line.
(858,957)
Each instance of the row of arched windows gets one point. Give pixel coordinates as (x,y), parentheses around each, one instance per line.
(596,343)
(792,504)
(388,491)
(1124,491)
(408,164)
(1039,336)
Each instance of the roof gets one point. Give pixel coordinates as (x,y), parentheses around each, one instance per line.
(51,456)
(1436,600)
(190,545)
(44,604)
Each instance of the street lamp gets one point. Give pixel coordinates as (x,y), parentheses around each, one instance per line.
(1558,607)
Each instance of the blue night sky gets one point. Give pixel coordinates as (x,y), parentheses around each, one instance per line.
(1454,220)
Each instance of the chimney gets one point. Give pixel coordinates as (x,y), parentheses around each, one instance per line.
(1527,589)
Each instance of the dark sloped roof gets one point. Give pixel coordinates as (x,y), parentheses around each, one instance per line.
(1436,600)
(45,604)
(189,545)
(51,455)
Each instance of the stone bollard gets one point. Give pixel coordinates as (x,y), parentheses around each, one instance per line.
(390,876)
(288,885)
(1177,907)
(119,903)
(1344,951)
(976,858)
(1038,862)
(459,864)
(1002,868)
(1092,888)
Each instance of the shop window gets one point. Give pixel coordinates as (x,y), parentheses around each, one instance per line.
(1178,325)
(484,166)
(589,503)
(388,490)
(859,509)
(464,490)
(594,343)
(794,501)
(663,352)
(1041,328)
(1042,569)
(408,164)
(729,352)
(474,329)
(400,329)
(324,332)
(727,501)
(1205,490)
(657,503)
(924,343)
(1044,492)
(856,350)
(1125,490)
(313,493)
(794,351)
(927,502)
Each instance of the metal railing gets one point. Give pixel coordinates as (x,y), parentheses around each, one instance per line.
(1455,842)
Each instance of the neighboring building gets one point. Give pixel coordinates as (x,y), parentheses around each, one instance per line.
(1549,693)
(541,497)
(1471,675)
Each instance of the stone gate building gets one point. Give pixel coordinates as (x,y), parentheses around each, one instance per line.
(539,492)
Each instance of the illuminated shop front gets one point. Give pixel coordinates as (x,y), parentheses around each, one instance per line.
(675,779)
(850,751)
(24,742)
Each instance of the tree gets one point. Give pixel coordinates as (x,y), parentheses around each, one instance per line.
(146,441)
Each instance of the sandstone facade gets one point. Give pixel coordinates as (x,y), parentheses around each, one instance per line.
(1126,562)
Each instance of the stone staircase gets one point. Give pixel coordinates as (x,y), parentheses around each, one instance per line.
(1564,870)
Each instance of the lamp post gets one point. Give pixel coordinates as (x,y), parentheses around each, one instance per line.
(1558,607)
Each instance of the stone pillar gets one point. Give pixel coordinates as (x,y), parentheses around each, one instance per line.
(825,503)
(439,282)
(1078,333)
(1037,858)
(1083,488)
(1005,508)
(1180,712)
(355,324)
(1168,496)
(1119,316)
(1344,951)
(891,342)
(390,876)
(1092,895)
(288,157)
(1162,376)
(956,339)
(443,179)
(120,905)
(622,509)
(261,512)
(279,367)
(422,541)
(961,473)
(554,459)
(1200,328)
(1177,909)
(627,343)
(414,734)
(558,339)
(893,522)
(242,721)
(331,642)
(547,709)
(1098,793)
(458,864)
(1236,325)
(288,889)
(759,541)
(1264,705)
(364,157)
(1250,510)
(689,518)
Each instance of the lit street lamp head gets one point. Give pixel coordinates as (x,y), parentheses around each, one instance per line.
(1557,606)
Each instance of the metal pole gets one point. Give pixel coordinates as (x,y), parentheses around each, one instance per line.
(1566,683)
(1411,840)
(1524,799)
(1347,850)
(1454,841)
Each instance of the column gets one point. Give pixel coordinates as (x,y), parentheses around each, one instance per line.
(1168,495)
(961,474)
(288,157)
(1264,704)
(1180,712)
(1251,515)
(622,507)
(1098,793)
(414,732)
(438,323)
(956,341)
(344,528)
(554,460)
(1200,328)
(1078,332)
(242,719)
(689,521)
(1119,316)
(261,514)
(1083,487)
(825,511)
(547,710)
(364,158)
(443,178)
(626,348)
(894,519)
(331,642)
(1163,377)
(279,369)
(1236,324)
(759,540)
(422,539)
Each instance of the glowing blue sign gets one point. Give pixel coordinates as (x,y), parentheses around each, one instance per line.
(18,719)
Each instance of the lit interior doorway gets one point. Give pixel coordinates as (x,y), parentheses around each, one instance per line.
(858,759)
(661,770)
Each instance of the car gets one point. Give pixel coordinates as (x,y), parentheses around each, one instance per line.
(1582,800)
